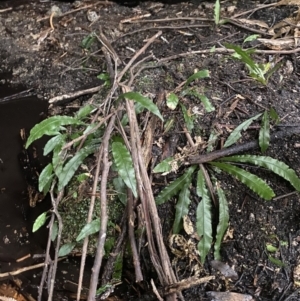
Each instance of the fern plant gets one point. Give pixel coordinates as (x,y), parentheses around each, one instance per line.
(181,186)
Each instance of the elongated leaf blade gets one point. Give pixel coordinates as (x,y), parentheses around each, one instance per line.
(255,183)
(264,133)
(66,249)
(204,222)
(245,57)
(217,10)
(182,206)
(276,166)
(236,133)
(45,178)
(223,222)
(121,189)
(144,101)
(50,127)
(39,222)
(188,118)
(53,142)
(207,104)
(54,231)
(85,111)
(163,166)
(124,165)
(72,165)
(89,229)
(174,187)
(200,74)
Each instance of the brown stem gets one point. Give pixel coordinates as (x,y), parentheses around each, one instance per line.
(104,216)
(109,267)
(136,261)
(89,219)
(198,159)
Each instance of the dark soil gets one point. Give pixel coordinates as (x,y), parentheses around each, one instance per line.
(53,63)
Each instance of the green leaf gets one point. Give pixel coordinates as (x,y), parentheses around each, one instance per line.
(174,187)
(39,222)
(236,133)
(85,111)
(120,188)
(199,74)
(251,38)
(50,126)
(204,221)
(168,125)
(205,101)
(172,101)
(212,140)
(144,101)
(163,166)
(89,229)
(207,104)
(274,165)
(274,116)
(124,165)
(53,142)
(54,231)
(245,57)
(72,165)
(118,267)
(276,261)
(58,159)
(217,10)
(66,249)
(270,248)
(223,222)
(182,206)
(45,179)
(252,181)
(188,118)
(87,41)
(264,133)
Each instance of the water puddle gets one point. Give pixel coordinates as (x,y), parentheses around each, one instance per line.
(17,245)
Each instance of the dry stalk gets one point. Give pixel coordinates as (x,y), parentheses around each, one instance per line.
(104,216)
(55,203)
(136,261)
(159,255)
(89,219)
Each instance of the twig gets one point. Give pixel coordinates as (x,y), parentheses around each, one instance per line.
(84,136)
(117,251)
(47,258)
(89,219)
(203,169)
(136,261)
(21,270)
(104,216)
(5,9)
(155,291)
(161,261)
(78,9)
(137,54)
(55,202)
(239,24)
(187,283)
(251,11)
(197,159)
(71,96)
(285,195)
(162,27)
(174,19)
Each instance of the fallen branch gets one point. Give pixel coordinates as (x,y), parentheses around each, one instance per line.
(199,159)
